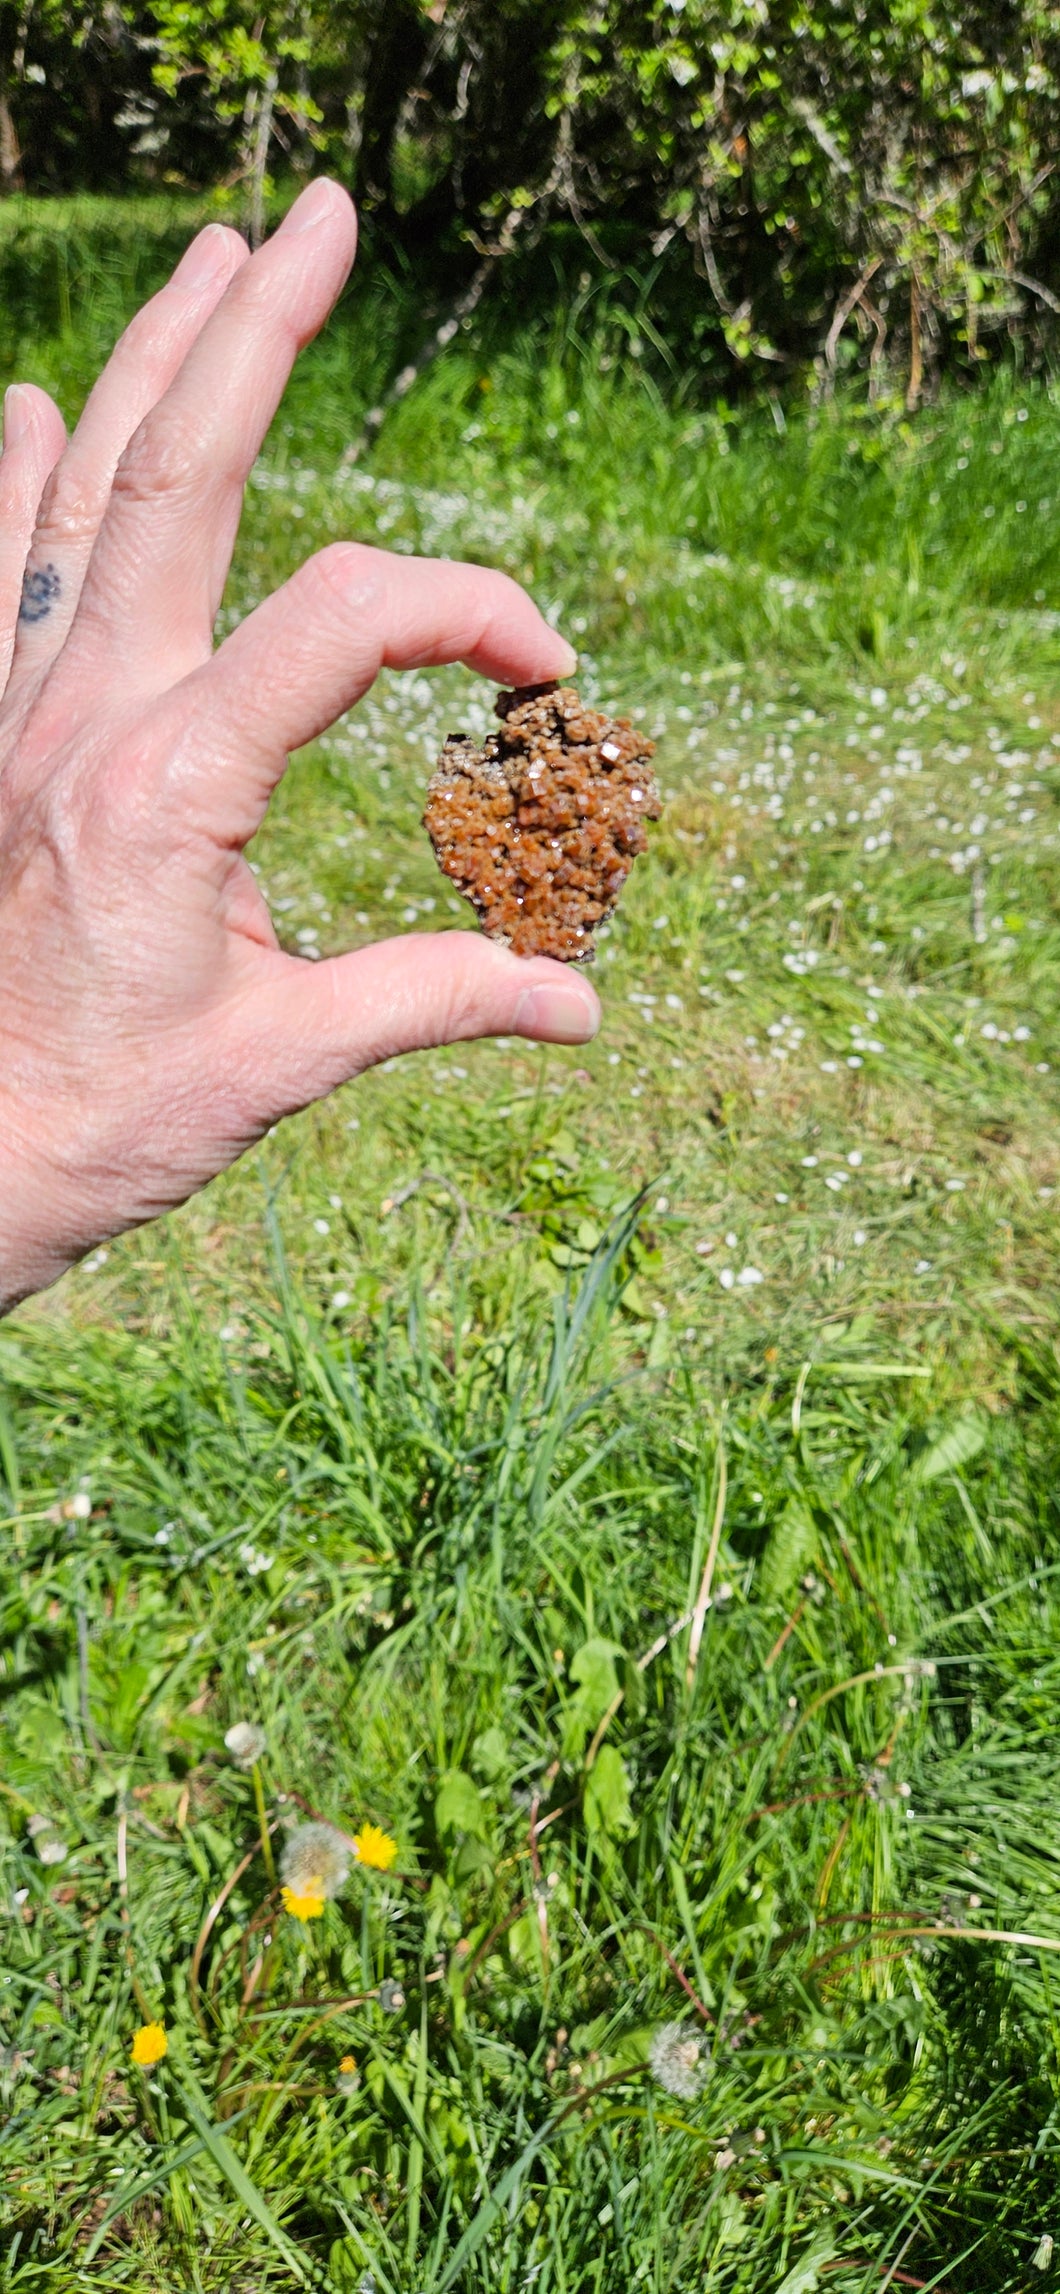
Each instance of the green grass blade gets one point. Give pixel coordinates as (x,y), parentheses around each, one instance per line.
(220,2149)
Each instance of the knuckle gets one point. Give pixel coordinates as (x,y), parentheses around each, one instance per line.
(70,509)
(149,345)
(353,575)
(162,457)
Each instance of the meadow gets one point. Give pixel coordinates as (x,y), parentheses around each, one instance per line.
(624,1479)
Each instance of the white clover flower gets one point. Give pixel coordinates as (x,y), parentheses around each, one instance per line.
(315,1861)
(676,2059)
(245,1743)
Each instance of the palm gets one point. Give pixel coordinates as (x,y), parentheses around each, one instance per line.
(151,1026)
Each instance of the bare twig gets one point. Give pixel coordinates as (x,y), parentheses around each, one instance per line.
(783,1636)
(203,1937)
(432,1179)
(710,263)
(1033,287)
(846,304)
(260,159)
(824,141)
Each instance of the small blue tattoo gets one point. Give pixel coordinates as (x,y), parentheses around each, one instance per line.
(39,592)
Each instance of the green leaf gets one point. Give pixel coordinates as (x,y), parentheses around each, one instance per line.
(489,1754)
(805,2277)
(593,1668)
(792,1547)
(956,1447)
(459,1806)
(607,1807)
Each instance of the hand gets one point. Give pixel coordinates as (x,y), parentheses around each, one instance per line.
(150,1026)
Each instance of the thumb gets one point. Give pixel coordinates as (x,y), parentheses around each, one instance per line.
(321,1024)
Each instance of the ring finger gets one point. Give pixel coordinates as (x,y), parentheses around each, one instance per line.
(34,437)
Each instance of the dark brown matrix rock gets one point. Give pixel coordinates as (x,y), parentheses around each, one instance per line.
(540,827)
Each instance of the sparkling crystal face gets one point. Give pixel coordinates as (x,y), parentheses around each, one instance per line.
(540,827)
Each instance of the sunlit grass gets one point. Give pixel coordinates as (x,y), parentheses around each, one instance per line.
(431,1442)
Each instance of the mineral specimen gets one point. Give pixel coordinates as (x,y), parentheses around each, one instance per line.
(540,827)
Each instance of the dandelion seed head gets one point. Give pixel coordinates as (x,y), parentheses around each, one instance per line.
(315,1862)
(676,2059)
(245,1743)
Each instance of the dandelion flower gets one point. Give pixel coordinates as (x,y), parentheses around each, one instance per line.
(302,1903)
(374,1848)
(676,2059)
(348,2077)
(314,1866)
(149,2045)
(245,1743)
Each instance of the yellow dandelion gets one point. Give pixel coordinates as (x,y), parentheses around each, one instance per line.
(303,1903)
(149,2045)
(375,1848)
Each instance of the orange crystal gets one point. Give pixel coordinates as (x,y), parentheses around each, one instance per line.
(540,827)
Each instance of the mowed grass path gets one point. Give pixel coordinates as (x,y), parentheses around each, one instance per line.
(626,1476)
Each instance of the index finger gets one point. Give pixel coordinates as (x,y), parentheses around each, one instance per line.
(315,646)
(159,565)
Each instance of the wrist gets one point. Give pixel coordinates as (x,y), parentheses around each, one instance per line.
(39,1233)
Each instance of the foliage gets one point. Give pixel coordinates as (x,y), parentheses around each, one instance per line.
(864,182)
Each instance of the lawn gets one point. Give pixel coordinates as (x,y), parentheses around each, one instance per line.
(624,1477)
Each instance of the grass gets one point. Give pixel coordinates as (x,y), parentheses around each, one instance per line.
(415,1440)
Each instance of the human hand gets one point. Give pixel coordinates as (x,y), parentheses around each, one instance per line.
(150,1026)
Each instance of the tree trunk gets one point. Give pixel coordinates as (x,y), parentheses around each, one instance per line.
(392,67)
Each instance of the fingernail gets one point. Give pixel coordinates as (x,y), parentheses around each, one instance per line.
(203,260)
(18,414)
(569,663)
(556,1013)
(311,207)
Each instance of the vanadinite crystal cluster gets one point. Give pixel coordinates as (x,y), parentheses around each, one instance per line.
(540,827)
